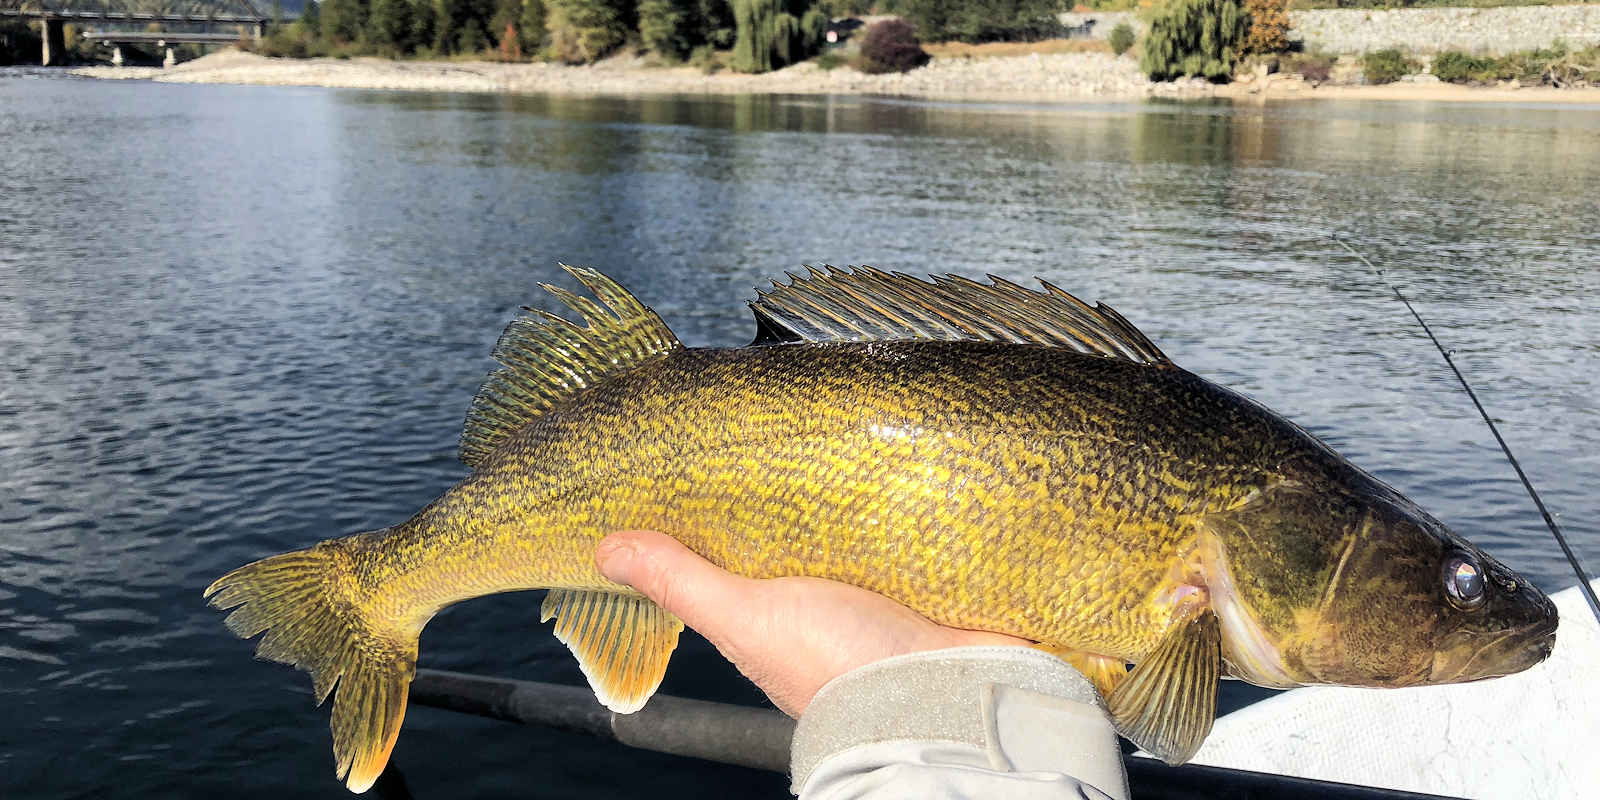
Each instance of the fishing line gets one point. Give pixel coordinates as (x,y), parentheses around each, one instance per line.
(1555,530)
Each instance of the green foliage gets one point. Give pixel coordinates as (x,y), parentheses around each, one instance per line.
(828,62)
(343,20)
(704,58)
(1453,66)
(390,26)
(1555,65)
(770,34)
(1121,38)
(890,46)
(530,25)
(584,31)
(1386,66)
(662,27)
(1194,38)
(976,21)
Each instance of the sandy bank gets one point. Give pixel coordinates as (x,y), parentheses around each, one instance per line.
(1033,78)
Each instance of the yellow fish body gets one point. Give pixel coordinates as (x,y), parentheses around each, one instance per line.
(993,457)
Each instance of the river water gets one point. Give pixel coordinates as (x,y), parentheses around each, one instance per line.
(234,321)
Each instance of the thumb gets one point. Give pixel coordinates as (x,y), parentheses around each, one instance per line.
(675,577)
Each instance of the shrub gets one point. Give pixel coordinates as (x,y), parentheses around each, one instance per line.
(1453,66)
(1268,29)
(1386,66)
(582,31)
(1121,38)
(890,46)
(1314,67)
(828,61)
(1194,38)
(704,58)
(977,21)
(661,25)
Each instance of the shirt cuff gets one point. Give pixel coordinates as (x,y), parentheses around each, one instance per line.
(994,699)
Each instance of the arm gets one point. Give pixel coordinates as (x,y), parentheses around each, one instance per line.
(887,707)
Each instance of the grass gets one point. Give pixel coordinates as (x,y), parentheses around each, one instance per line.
(1005,49)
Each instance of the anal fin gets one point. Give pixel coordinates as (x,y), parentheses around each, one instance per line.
(1105,672)
(622,642)
(1169,700)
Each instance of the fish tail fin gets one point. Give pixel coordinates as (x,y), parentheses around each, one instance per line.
(312,612)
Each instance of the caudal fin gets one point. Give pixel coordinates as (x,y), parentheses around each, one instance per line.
(310,607)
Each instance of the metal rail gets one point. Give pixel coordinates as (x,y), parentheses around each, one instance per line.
(759,738)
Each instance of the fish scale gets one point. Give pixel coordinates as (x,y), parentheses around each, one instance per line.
(992,457)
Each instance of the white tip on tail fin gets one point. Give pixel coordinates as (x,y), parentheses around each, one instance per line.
(305,603)
(622,642)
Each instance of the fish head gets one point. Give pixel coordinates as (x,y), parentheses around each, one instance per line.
(1363,589)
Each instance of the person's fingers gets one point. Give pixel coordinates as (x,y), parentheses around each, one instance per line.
(699,592)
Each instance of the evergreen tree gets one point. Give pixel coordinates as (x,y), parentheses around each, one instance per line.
(530,26)
(471,39)
(424,15)
(343,20)
(390,26)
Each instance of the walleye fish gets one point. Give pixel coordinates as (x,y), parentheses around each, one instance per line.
(995,457)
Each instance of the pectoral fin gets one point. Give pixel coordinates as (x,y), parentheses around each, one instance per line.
(1169,700)
(622,643)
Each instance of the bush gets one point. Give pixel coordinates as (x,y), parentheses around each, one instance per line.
(1121,38)
(1314,67)
(977,21)
(1194,38)
(890,46)
(1453,66)
(704,58)
(582,31)
(1268,29)
(828,61)
(1386,66)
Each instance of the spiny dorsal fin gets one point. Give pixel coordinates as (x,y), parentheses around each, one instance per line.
(548,359)
(622,642)
(868,304)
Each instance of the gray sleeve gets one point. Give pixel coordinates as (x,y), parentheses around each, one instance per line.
(961,723)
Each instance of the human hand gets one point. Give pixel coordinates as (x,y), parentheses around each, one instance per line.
(788,635)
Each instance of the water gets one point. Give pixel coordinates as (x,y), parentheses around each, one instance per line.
(234,321)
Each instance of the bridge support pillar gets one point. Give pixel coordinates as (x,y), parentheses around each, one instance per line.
(55,43)
(116,55)
(170,60)
(259,30)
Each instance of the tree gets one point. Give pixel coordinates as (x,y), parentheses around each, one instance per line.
(343,20)
(1194,38)
(771,34)
(663,28)
(530,25)
(1268,30)
(582,31)
(390,26)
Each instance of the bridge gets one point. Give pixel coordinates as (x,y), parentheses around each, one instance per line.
(195,21)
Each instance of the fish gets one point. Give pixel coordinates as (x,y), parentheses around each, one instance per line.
(995,457)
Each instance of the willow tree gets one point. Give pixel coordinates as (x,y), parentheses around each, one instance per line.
(770,34)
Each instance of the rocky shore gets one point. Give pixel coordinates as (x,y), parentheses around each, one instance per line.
(1060,77)
(1064,76)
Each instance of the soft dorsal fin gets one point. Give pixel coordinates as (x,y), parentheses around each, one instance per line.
(546,358)
(868,304)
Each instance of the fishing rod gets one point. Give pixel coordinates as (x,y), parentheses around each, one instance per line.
(1555,530)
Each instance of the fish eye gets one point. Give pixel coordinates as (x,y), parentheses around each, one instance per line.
(1463,581)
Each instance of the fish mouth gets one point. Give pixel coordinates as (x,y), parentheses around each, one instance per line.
(1479,655)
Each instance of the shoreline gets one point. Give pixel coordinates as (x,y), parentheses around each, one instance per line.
(1058,77)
